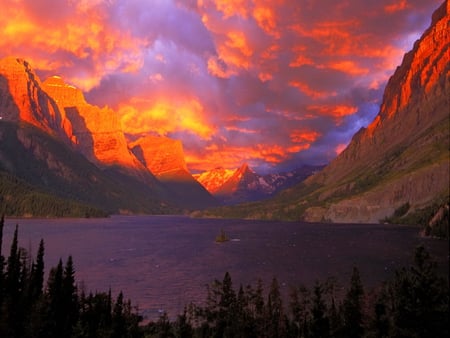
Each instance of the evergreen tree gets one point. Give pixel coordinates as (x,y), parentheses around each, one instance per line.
(353,307)
(320,325)
(37,274)
(2,264)
(275,317)
(419,300)
(118,318)
(69,297)
(300,300)
(54,324)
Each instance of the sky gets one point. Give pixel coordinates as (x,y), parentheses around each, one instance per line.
(276,84)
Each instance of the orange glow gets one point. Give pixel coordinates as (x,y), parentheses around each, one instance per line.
(109,48)
(334,111)
(303,87)
(301,136)
(230,7)
(265,17)
(349,67)
(165,116)
(395,7)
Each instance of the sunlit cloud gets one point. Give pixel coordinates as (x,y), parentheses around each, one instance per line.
(164,117)
(273,83)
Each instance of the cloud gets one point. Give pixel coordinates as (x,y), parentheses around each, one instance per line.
(274,83)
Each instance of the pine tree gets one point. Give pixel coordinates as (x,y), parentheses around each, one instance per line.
(118,318)
(353,307)
(37,274)
(2,264)
(419,300)
(275,317)
(70,298)
(320,325)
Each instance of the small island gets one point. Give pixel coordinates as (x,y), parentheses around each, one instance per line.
(222,237)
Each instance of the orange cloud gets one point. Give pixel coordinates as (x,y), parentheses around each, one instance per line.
(266,19)
(230,7)
(337,112)
(349,67)
(301,136)
(306,89)
(83,35)
(395,7)
(165,116)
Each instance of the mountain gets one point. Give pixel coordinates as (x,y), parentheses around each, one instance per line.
(399,163)
(33,158)
(96,132)
(56,142)
(212,180)
(164,157)
(244,185)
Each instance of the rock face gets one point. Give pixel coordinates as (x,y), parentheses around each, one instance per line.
(401,157)
(244,185)
(164,157)
(60,111)
(23,99)
(214,179)
(96,132)
(161,155)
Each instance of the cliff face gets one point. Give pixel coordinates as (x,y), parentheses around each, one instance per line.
(214,179)
(22,98)
(96,132)
(402,157)
(160,155)
(164,157)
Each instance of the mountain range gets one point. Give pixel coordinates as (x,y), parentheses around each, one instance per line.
(244,185)
(398,165)
(58,148)
(58,153)
(56,142)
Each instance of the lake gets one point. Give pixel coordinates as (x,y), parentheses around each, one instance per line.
(164,262)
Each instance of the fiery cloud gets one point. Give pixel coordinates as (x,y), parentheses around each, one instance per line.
(274,83)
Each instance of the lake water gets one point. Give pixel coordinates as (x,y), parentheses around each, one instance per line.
(164,262)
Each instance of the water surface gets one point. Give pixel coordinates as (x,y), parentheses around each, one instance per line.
(164,262)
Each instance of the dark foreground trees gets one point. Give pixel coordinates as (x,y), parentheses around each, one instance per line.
(28,308)
(414,303)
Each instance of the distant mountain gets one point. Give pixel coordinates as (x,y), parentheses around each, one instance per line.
(244,185)
(164,157)
(399,164)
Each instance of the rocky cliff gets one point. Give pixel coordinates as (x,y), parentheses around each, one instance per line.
(164,157)
(61,112)
(401,158)
(23,99)
(96,132)
(161,155)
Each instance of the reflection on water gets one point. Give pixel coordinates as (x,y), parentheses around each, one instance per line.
(164,262)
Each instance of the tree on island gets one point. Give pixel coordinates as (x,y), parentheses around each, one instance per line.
(222,237)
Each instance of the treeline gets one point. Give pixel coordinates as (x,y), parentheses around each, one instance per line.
(414,303)
(18,198)
(29,307)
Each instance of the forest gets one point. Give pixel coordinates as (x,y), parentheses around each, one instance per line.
(413,303)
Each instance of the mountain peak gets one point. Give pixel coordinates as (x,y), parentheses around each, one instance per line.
(159,154)
(66,95)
